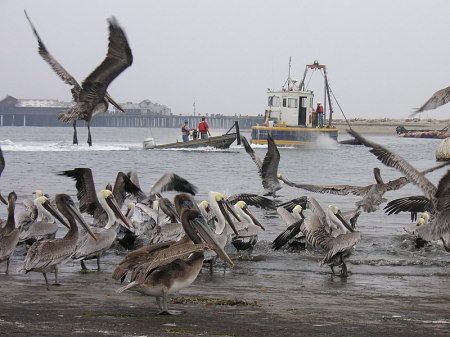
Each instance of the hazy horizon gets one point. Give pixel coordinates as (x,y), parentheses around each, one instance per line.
(384,58)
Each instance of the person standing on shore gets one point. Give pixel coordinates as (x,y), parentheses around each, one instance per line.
(203,127)
(319,114)
(186,131)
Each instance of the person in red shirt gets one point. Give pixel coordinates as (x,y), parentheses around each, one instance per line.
(319,114)
(203,128)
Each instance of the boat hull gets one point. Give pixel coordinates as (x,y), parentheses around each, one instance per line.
(219,142)
(291,136)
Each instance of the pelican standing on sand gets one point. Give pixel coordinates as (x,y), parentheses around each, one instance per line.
(439,197)
(91,97)
(46,256)
(9,235)
(177,266)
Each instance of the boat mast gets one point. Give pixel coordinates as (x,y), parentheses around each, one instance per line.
(288,81)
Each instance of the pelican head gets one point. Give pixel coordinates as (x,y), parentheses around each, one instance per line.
(425,216)
(38,193)
(43,204)
(297,209)
(341,221)
(109,204)
(130,207)
(242,205)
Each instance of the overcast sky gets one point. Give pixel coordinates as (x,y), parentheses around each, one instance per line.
(384,57)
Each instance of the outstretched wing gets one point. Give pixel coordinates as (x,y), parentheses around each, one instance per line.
(269,169)
(439,98)
(118,58)
(57,68)
(252,154)
(172,182)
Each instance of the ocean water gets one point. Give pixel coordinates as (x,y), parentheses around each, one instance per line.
(385,260)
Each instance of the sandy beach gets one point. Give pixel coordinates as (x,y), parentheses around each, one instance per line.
(86,304)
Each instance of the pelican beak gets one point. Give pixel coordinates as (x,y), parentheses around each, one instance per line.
(344,222)
(3,200)
(110,100)
(112,203)
(79,217)
(53,212)
(255,221)
(225,206)
(198,230)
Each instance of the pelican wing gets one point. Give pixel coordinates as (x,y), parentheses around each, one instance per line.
(86,195)
(2,161)
(289,205)
(443,193)
(118,58)
(391,159)
(269,169)
(252,154)
(137,257)
(315,232)
(88,247)
(287,234)
(46,254)
(340,244)
(252,200)
(124,185)
(172,182)
(439,98)
(57,68)
(416,203)
(332,189)
(315,207)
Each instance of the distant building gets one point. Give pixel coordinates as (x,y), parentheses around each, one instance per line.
(12,105)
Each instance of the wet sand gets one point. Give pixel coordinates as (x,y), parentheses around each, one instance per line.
(214,305)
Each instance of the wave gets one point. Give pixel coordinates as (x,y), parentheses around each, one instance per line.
(62,147)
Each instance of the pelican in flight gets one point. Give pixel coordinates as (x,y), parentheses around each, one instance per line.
(91,98)
(46,256)
(9,235)
(174,267)
(268,168)
(372,194)
(439,98)
(439,197)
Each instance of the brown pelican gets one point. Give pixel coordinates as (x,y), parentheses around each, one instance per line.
(439,98)
(372,194)
(91,97)
(9,235)
(413,229)
(89,248)
(42,229)
(174,267)
(87,196)
(318,233)
(248,228)
(170,181)
(439,224)
(268,168)
(46,256)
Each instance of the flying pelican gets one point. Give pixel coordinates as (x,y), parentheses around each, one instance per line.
(177,266)
(439,224)
(439,98)
(43,229)
(46,256)
(268,168)
(170,181)
(9,235)
(87,196)
(89,248)
(91,97)
(248,228)
(372,194)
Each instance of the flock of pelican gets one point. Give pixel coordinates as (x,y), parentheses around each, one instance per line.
(168,242)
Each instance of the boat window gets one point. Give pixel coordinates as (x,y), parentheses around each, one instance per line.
(292,102)
(284,102)
(274,101)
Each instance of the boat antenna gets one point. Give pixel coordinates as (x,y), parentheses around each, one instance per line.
(288,81)
(194,106)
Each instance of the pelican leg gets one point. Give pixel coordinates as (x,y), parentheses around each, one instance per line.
(75,137)
(7,267)
(98,263)
(56,277)
(46,280)
(83,266)
(89,141)
(332,269)
(165,310)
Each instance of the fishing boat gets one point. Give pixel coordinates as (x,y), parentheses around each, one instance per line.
(219,142)
(441,134)
(290,114)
